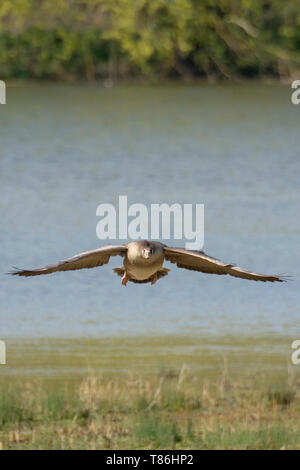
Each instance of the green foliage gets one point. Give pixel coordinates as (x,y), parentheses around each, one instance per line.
(160,434)
(89,39)
(137,412)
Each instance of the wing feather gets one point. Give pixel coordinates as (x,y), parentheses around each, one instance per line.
(199,261)
(88,259)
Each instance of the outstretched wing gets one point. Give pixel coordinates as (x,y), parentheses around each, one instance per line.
(88,259)
(199,261)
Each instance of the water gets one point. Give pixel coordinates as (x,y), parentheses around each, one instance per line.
(66,149)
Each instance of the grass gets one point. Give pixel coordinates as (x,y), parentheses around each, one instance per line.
(160,411)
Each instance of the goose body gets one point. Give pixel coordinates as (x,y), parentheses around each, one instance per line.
(139,266)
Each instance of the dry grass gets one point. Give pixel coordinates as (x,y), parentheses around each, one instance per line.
(169,410)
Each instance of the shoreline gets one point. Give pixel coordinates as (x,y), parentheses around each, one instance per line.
(110,84)
(70,358)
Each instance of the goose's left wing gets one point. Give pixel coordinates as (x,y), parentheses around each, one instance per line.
(199,261)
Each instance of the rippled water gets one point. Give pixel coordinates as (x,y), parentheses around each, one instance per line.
(66,149)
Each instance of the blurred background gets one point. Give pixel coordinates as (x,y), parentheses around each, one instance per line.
(161,101)
(110,39)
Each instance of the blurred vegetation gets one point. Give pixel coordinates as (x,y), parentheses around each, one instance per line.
(162,411)
(156,39)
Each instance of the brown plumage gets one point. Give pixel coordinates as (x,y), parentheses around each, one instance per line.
(143,262)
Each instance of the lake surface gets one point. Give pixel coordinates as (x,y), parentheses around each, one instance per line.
(66,149)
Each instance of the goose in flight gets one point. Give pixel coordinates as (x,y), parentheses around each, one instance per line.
(143,262)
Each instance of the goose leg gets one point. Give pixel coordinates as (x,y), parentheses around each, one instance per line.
(154,278)
(125,279)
